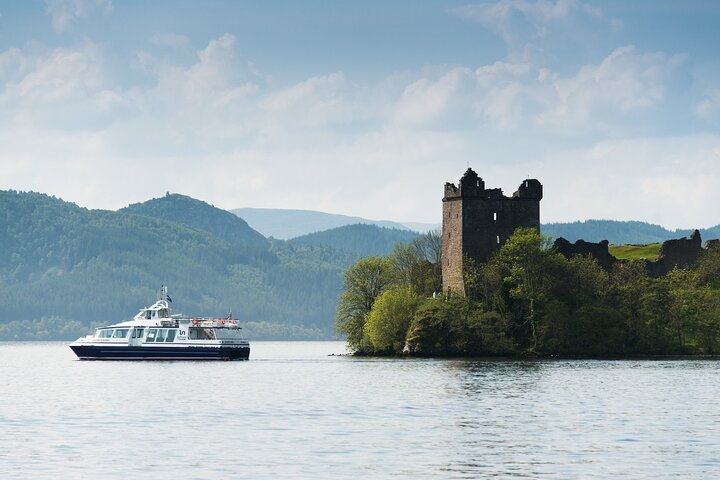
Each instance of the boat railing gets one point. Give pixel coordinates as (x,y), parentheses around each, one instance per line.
(214,322)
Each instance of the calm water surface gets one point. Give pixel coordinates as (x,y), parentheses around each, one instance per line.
(293,411)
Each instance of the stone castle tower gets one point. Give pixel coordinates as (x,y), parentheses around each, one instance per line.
(478,221)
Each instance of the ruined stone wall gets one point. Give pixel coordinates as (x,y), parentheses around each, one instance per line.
(683,252)
(452,240)
(599,251)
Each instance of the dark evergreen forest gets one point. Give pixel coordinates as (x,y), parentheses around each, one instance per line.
(65,269)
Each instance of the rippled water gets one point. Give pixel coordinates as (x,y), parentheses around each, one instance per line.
(293,411)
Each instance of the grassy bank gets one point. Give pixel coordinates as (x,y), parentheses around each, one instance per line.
(635,252)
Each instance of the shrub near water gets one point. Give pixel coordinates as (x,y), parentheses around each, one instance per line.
(389,319)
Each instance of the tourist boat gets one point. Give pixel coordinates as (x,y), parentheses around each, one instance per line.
(155,333)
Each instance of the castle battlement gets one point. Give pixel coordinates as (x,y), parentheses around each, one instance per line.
(471,185)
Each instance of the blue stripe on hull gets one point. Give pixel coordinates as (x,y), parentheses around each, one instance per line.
(108,352)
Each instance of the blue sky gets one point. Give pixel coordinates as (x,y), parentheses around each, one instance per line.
(366,108)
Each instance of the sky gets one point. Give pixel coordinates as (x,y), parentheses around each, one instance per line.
(366,107)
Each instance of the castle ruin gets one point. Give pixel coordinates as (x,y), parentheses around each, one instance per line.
(478,221)
(679,253)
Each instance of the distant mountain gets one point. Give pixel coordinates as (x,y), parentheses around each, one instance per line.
(288,224)
(358,240)
(201,216)
(620,232)
(422,227)
(284,224)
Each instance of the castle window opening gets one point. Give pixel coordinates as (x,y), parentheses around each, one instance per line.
(495,216)
(498,239)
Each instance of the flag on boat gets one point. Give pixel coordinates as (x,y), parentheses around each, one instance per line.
(168,298)
(229,317)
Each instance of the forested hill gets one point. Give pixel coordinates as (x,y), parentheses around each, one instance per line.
(620,232)
(201,216)
(60,260)
(359,240)
(64,268)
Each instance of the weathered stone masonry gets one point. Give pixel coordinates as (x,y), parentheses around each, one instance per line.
(682,253)
(478,221)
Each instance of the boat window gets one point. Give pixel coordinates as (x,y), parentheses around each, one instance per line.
(170,335)
(137,333)
(228,334)
(160,335)
(197,333)
(105,333)
(147,314)
(151,335)
(120,333)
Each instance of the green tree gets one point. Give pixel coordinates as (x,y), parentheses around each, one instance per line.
(363,282)
(708,268)
(629,284)
(529,265)
(387,322)
(438,327)
(429,248)
(410,268)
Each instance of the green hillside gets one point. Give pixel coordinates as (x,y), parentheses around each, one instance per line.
(64,268)
(359,240)
(201,216)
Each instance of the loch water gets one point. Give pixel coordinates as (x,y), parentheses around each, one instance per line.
(296,411)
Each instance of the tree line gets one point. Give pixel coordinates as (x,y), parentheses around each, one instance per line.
(528,299)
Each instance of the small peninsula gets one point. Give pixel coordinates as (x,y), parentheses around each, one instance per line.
(492,285)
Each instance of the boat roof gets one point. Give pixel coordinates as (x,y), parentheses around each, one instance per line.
(161,312)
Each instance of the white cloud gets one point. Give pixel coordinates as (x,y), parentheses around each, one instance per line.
(217,130)
(490,75)
(530,27)
(425,100)
(673,181)
(63,13)
(613,95)
(315,102)
(207,95)
(624,82)
(45,86)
